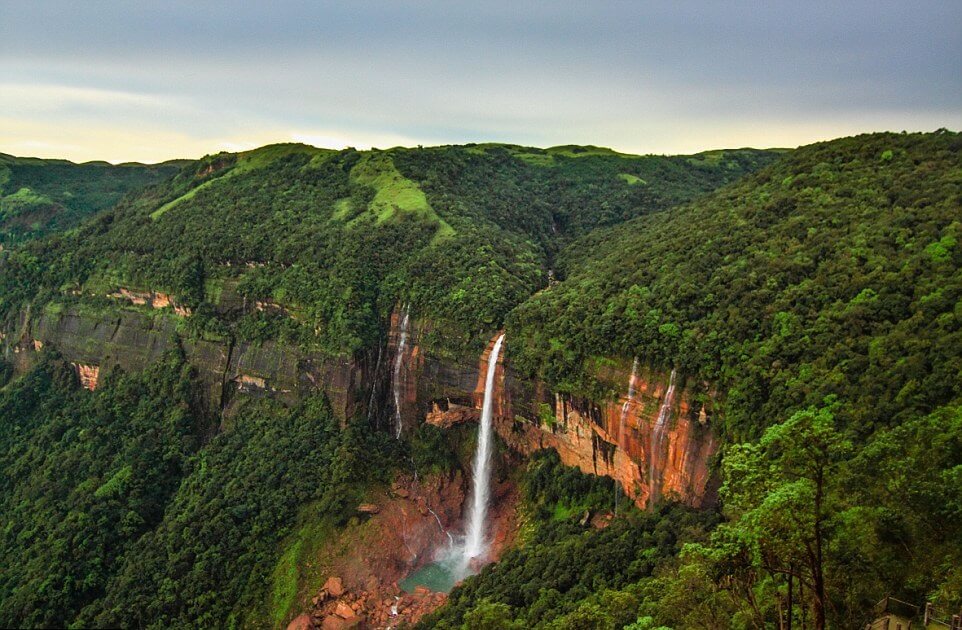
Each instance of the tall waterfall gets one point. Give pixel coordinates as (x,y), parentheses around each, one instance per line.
(475,545)
(398,362)
(658,436)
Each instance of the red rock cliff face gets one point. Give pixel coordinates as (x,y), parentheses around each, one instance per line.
(611,437)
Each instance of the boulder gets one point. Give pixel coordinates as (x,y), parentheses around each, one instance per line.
(368,508)
(300,622)
(344,610)
(334,586)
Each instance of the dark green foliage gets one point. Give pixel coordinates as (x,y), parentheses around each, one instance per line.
(38,197)
(114,513)
(208,563)
(828,273)
(84,475)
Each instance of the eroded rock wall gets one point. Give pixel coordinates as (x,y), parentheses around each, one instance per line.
(102,340)
(610,437)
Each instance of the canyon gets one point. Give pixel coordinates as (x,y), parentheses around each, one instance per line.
(406,382)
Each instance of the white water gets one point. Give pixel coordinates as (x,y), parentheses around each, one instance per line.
(377,370)
(441,527)
(658,433)
(475,544)
(398,362)
(624,413)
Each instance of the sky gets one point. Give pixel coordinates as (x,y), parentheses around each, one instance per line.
(149,81)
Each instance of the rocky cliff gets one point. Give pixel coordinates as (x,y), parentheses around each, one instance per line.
(619,437)
(97,340)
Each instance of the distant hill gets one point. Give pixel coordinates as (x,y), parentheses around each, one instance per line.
(38,197)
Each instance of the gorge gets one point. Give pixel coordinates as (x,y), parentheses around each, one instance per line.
(290,365)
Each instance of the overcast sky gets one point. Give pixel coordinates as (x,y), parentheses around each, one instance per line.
(131,80)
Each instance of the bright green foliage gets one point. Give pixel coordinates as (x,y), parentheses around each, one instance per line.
(799,504)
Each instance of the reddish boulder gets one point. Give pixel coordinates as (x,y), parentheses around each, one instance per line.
(300,622)
(334,586)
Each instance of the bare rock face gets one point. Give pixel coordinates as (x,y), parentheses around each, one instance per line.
(446,414)
(368,558)
(89,375)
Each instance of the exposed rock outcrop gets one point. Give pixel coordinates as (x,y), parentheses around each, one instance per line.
(607,437)
(88,375)
(131,340)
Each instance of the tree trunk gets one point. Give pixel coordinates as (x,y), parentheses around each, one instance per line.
(788,621)
(818,579)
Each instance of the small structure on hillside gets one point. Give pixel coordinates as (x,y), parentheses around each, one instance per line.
(894,614)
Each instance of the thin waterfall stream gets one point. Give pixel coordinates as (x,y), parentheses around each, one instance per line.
(658,437)
(398,363)
(624,414)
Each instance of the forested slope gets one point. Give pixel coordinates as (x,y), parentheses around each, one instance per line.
(821,300)
(337,238)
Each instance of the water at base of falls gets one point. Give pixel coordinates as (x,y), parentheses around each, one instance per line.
(439,576)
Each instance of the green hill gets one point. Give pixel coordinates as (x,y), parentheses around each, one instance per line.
(338,237)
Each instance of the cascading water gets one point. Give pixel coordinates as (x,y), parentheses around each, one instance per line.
(658,436)
(475,544)
(454,563)
(624,413)
(374,380)
(398,362)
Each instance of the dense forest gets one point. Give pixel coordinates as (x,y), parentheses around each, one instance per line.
(815,293)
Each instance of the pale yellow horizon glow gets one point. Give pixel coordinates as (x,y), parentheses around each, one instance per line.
(84,141)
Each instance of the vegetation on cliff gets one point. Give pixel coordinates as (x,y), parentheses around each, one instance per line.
(821,299)
(117,509)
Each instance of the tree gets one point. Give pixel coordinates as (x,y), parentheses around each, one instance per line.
(778,494)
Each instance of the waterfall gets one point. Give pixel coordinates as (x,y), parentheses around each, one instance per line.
(398,362)
(475,543)
(624,414)
(374,388)
(631,396)
(658,436)
(441,527)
